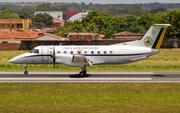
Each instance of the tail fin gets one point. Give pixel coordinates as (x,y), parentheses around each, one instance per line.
(153,37)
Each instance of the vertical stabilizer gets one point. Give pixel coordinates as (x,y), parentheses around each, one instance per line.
(153,37)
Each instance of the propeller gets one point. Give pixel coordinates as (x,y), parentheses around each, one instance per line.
(54,58)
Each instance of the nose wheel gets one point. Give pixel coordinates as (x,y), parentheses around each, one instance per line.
(83,72)
(25,72)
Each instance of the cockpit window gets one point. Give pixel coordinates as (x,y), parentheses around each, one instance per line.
(36,51)
(31,51)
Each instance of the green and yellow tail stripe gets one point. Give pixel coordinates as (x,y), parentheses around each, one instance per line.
(159,39)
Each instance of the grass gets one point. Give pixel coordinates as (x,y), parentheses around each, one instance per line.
(93,97)
(166,60)
(90,97)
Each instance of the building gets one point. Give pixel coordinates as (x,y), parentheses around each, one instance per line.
(12,40)
(47,36)
(73,16)
(127,36)
(44,30)
(58,23)
(58,15)
(15,24)
(84,36)
(17,36)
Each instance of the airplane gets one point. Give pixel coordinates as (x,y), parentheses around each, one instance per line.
(82,56)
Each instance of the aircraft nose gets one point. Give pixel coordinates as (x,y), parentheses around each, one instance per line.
(13,60)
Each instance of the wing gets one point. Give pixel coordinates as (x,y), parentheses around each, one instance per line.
(73,60)
(80,58)
(77,60)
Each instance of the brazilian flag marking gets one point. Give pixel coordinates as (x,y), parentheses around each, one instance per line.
(159,39)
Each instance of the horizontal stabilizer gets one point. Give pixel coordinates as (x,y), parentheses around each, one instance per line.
(140,58)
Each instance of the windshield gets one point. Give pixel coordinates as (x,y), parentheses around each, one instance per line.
(31,51)
(36,51)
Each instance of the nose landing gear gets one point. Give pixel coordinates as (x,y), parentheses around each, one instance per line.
(83,72)
(25,72)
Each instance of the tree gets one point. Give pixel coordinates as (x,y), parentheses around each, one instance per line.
(8,14)
(64,8)
(3,8)
(42,20)
(159,9)
(90,16)
(134,10)
(43,7)
(173,17)
(29,10)
(133,25)
(7,10)
(83,3)
(147,20)
(90,4)
(24,15)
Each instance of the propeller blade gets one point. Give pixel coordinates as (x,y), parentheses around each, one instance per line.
(54,58)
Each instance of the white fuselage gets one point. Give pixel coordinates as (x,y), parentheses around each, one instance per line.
(98,55)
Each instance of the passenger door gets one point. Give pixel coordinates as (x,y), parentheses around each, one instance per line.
(45,53)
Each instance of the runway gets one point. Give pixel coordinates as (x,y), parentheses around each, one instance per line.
(91,77)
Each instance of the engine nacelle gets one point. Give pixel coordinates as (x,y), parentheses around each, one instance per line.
(69,60)
(64,59)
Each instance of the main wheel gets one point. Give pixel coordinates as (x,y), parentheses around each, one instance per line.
(82,73)
(25,72)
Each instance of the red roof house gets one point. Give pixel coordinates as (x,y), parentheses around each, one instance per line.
(127,36)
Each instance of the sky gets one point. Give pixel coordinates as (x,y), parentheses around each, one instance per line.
(98,1)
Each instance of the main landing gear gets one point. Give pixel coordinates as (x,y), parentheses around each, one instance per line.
(25,66)
(83,72)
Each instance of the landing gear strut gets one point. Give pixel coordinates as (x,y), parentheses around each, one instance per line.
(25,66)
(83,72)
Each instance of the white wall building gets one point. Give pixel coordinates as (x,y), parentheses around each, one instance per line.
(58,15)
(73,16)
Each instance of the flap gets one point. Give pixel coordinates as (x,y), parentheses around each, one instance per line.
(78,58)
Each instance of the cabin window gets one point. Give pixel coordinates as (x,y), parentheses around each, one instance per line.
(98,52)
(31,51)
(85,52)
(65,52)
(111,52)
(36,51)
(79,52)
(105,52)
(58,52)
(71,52)
(92,52)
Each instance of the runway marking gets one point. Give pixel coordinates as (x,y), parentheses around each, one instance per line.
(89,81)
(71,79)
(75,72)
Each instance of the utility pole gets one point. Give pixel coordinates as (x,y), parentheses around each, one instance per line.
(46,7)
(10,25)
(98,27)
